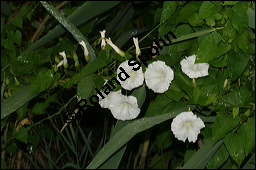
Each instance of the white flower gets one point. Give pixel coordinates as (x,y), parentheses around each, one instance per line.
(103,42)
(133,79)
(186,125)
(158,76)
(117,50)
(124,107)
(136,43)
(193,70)
(104,103)
(64,61)
(86,52)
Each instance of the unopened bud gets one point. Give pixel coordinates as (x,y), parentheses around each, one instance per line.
(17,83)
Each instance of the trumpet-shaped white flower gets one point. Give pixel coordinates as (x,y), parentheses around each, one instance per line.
(193,70)
(104,103)
(135,78)
(158,76)
(136,43)
(117,50)
(86,52)
(124,107)
(103,42)
(64,61)
(186,125)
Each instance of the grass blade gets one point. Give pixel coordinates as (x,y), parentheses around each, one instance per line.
(83,14)
(201,158)
(70,27)
(17,100)
(127,132)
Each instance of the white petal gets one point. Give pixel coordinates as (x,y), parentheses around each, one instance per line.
(136,43)
(111,97)
(86,52)
(60,63)
(193,70)
(186,125)
(125,108)
(63,55)
(117,50)
(158,76)
(103,42)
(136,77)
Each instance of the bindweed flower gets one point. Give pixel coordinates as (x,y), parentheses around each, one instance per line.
(124,107)
(186,125)
(86,52)
(64,61)
(104,103)
(117,50)
(193,70)
(133,79)
(103,42)
(158,76)
(136,43)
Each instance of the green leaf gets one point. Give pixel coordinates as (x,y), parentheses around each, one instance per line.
(169,8)
(229,32)
(70,27)
(181,30)
(184,82)
(230,2)
(248,129)
(70,82)
(195,20)
(239,17)
(43,81)
(7,44)
(175,95)
(25,64)
(21,134)
(21,112)
(251,17)
(242,41)
(211,48)
(234,144)
(236,64)
(206,10)
(200,159)
(185,12)
(17,21)
(18,37)
(86,86)
(17,100)
(127,132)
(240,98)
(103,59)
(40,106)
(219,158)
(226,122)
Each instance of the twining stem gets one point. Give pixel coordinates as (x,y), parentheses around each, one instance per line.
(145,149)
(55,114)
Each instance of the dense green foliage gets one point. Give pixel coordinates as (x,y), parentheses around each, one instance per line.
(35,93)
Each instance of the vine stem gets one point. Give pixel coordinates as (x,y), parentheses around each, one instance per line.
(55,114)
